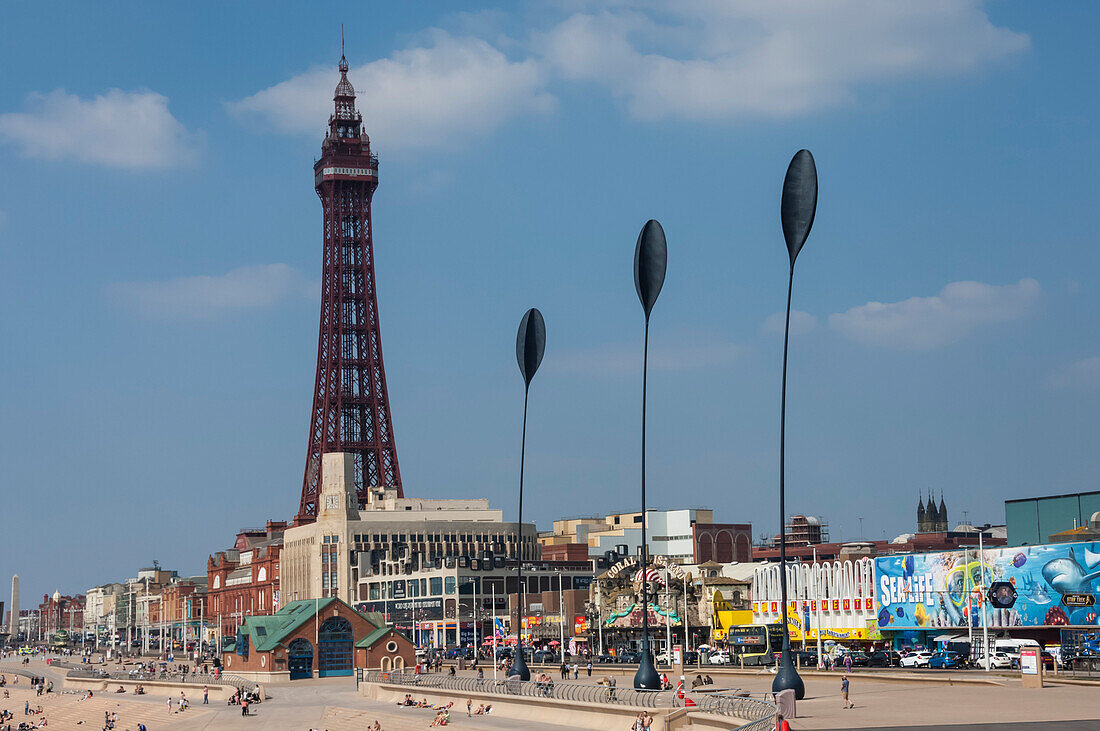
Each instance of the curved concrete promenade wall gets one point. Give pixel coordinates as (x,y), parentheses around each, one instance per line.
(107,687)
(572,704)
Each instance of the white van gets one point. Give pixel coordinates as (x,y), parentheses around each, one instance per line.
(1011,647)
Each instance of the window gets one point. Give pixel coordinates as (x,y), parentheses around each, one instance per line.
(450,584)
(437,586)
(324,579)
(375,594)
(261,631)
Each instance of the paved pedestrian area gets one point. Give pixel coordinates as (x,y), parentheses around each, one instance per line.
(911,705)
(70,711)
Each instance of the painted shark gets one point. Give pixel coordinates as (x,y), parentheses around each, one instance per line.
(1066,576)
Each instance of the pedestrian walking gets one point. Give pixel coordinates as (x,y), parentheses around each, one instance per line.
(169,705)
(564,670)
(576,670)
(205,695)
(244,706)
(781,723)
(589,668)
(844,692)
(469,707)
(848,663)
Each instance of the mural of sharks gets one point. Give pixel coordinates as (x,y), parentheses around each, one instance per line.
(1067,576)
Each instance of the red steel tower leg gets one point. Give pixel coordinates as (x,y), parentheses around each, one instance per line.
(351,408)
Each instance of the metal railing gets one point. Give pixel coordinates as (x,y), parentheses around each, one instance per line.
(532,688)
(759,713)
(190,678)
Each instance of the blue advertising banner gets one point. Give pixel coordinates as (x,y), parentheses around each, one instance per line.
(1054,585)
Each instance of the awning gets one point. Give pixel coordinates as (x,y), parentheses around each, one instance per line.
(951,638)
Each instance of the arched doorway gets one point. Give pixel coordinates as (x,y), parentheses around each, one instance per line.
(743,549)
(706,548)
(334,652)
(300,661)
(723,547)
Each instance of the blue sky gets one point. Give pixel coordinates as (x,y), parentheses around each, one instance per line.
(160,255)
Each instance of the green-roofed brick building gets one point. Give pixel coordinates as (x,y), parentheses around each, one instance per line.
(315,638)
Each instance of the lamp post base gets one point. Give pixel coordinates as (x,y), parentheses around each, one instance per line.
(519,667)
(788,678)
(646,678)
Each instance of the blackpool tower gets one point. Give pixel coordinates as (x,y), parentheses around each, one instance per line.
(351,408)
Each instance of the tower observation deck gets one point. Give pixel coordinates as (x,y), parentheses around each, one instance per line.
(351,408)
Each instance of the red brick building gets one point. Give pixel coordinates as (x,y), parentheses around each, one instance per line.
(244,580)
(315,638)
(722,542)
(182,602)
(60,612)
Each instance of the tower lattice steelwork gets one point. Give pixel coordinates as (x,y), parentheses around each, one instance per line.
(351,408)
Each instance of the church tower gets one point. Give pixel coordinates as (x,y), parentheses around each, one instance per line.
(921,517)
(932,514)
(943,514)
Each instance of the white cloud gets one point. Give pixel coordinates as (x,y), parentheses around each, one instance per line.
(119,129)
(708,59)
(801,322)
(419,97)
(615,359)
(204,296)
(923,323)
(1082,375)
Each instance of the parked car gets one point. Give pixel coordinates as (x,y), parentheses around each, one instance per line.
(1048,660)
(605,658)
(807,658)
(998,661)
(630,657)
(691,657)
(918,659)
(859,659)
(945,660)
(884,659)
(719,658)
(547,656)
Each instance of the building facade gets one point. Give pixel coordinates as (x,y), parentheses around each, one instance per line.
(61,612)
(244,580)
(826,601)
(315,638)
(1032,521)
(348,549)
(685,536)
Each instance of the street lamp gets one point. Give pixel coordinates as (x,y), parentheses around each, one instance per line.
(530,346)
(650,260)
(797,209)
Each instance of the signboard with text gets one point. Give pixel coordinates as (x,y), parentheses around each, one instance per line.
(1054,585)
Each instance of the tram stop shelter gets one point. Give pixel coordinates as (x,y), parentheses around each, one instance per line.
(315,638)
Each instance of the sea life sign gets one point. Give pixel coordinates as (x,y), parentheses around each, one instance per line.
(1054,585)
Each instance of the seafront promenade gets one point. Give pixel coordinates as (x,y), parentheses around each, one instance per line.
(896,702)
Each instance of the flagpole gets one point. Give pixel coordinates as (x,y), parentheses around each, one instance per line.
(494,633)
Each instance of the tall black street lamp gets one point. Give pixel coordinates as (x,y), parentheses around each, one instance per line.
(797,210)
(530,345)
(650,260)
